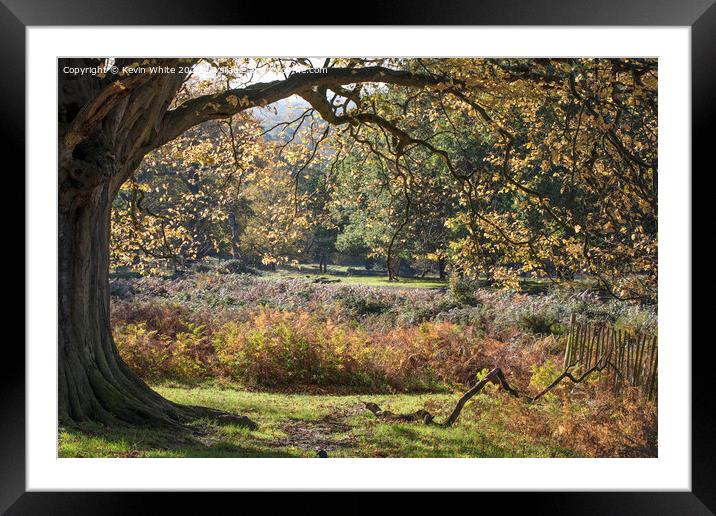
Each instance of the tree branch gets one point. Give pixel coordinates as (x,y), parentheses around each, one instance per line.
(230,102)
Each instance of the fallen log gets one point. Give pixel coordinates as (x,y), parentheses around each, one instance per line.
(567,374)
(418,415)
(495,376)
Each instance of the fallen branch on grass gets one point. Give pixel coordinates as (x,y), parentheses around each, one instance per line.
(567,374)
(495,376)
(418,415)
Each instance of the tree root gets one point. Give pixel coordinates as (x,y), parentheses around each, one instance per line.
(171,417)
(495,376)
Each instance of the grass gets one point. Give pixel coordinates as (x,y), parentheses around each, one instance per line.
(340,274)
(382,281)
(297,425)
(372,280)
(527,285)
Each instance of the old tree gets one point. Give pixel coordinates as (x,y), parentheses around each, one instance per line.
(552,161)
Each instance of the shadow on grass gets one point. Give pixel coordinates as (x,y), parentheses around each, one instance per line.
(91,440)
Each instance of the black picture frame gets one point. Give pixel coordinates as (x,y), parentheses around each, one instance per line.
(700,15)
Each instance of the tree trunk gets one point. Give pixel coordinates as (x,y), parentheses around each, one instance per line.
(393,263)
(94,384)
(441,268)
(234,226)
(235,253)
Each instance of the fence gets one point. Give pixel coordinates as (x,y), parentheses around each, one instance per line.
(626,357)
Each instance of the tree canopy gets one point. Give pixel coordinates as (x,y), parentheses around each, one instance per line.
(503,167)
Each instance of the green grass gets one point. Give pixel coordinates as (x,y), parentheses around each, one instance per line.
(339,274)
(296,425)
(376,280)
(382,281)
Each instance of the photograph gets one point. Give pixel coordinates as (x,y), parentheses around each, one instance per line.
(357,257)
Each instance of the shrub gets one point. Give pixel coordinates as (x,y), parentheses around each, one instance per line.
(120,290)
(166,318)
(633,319)
(336,335)
(360,305)
(463,290)
(277,349)
(142,350)
(186,358)
(544,374)
(413,312)
(542,323)
(201,267)
(477,317)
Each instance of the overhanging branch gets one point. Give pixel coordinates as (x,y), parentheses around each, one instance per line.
(232,101)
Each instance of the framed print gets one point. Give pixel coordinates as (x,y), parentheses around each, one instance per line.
(425,246)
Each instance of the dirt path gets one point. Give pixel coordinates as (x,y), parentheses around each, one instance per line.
(331,432)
